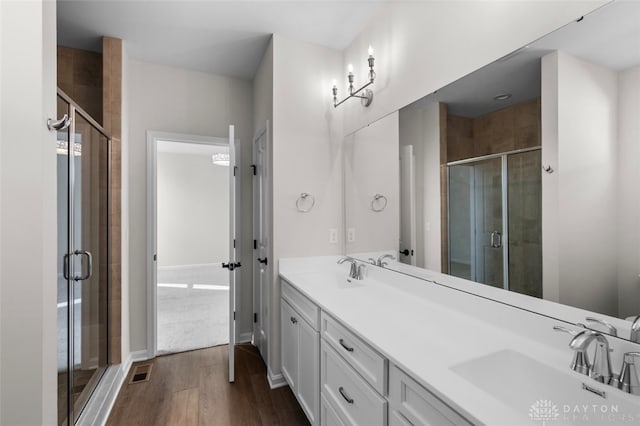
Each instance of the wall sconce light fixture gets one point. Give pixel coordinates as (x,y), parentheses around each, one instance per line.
(365,95)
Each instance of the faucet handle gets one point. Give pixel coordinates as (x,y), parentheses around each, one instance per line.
(610,328)
(580,362)
(628,381)
(565,330)
(635,330)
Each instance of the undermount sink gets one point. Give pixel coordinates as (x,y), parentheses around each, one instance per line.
(543,393)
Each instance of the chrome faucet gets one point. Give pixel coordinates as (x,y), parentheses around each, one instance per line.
(355,271)
(380,262)
(610,328)
(600,369)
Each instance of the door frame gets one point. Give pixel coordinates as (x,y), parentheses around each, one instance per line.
(153,137)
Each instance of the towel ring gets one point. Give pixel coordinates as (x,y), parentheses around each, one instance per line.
(376,201)
(301,200)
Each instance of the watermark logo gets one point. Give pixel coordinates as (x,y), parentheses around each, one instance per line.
(544,411)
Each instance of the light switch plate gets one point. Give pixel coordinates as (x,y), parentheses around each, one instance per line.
(351,235)
(333,235)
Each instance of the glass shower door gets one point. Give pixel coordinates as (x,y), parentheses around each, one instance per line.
(475,221)
(83,225)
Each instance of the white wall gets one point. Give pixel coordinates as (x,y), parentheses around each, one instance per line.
(628,192)
(307,157)
(420,127)
(174,100)
(423,46)
(372,167)
(193,210)
(28,213)
(583,216)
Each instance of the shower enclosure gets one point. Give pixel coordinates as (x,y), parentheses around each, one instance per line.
(495,220)
(83,152)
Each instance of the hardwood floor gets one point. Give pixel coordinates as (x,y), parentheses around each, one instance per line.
(192,388)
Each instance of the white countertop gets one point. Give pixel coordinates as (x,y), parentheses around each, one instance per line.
(425,329)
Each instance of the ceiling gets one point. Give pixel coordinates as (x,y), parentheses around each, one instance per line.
(220,37)
(609,36)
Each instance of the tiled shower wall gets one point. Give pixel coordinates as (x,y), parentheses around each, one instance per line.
(80,76)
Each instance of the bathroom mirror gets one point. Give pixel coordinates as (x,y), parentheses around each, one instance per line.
(521,176)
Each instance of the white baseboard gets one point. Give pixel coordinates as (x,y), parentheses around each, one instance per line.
(99,406)
(245,337)
(275,380)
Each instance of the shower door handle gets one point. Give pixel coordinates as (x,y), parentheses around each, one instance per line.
(87,254)
(496,239)
(65,266)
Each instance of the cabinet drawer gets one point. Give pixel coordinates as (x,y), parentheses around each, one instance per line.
(300,303)
(364,359)
(353,399)
(416,405)
(328,415)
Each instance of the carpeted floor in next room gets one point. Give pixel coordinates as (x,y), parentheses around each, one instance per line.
(193,307)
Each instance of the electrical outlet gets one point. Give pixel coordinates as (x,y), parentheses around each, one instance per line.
(351,235)
(333,235)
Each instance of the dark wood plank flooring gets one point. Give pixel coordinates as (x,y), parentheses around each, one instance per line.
(192,388)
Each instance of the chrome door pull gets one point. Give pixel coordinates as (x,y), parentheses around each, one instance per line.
(496,239)
(89,265)
(345,396)
(347,348)
(65,266)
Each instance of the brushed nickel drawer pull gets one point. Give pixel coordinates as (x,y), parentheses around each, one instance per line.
(345,396)
(347,348)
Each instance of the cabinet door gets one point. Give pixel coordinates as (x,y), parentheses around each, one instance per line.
(289,344)
(308,370)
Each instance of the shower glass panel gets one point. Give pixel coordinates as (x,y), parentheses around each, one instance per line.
(525,222)
(475,221)
(495,221)
(83,246)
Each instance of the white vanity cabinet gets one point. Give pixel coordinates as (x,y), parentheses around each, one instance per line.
(341,380)
(299,319)
(410,404)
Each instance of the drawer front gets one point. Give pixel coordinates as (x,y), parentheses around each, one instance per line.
(353,399)
(329,416)
(364,359)
(305,307)
(416,405)
(397,419)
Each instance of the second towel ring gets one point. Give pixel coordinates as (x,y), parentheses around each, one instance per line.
(301,201)
(377,201)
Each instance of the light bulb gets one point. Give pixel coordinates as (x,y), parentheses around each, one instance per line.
(370,50)
(334,83)
(350,68)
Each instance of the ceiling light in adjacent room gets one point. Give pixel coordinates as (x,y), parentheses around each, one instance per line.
(220,159)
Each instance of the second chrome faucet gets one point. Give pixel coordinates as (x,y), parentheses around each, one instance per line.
(356,271)
(600,369)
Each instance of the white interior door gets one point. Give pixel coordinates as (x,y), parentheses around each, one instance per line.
(233,264)
(407,206)
(261,254)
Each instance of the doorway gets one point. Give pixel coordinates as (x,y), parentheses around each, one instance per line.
(191,212)
(495,220)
